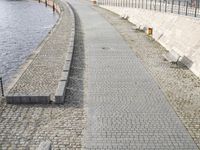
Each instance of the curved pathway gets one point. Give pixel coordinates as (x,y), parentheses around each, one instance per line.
(125,107)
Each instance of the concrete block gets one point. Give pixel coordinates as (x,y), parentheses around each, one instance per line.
(66,66)
(9,99)
(64,76)
(60,92)
(186,61)
(21,99)
(172,57)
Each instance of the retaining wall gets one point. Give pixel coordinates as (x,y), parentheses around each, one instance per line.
(175,32)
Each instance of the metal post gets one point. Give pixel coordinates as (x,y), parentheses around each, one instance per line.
(135,3)
(195,12)
(2,91)
(53,7)
(172,9)
(142,3)
(146,4)
(150,4)
(166,6)
(155,5)
(179,3)
(186,11)
(160,6)
(46,3)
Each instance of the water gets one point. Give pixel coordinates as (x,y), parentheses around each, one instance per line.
(23,25)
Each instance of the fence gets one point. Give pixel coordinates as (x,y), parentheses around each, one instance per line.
(182,7)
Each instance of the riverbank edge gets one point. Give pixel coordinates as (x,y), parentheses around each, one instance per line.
(11,99)
(33,54)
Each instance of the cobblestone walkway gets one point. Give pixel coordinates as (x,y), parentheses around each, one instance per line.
(24,127)
(125,107)
(42,75)
(180,85)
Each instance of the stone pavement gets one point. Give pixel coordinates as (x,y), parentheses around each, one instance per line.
(41,77)
(181,86)
(24,127)
(125,107)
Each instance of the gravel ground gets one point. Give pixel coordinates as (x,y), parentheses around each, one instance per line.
(180,85)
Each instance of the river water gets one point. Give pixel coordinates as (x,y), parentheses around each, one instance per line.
(23,25)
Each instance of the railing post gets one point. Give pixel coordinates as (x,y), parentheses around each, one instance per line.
(186,9)
(142,3)
(46,3)
(160,6)
(166,6)
(150,4)
(172,8)
(53,7)
(146,4)
(2,91)
(138,3)
(195,12)
(135,3)
(155,5)
(179,3)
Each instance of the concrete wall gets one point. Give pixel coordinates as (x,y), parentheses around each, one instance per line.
(175,32)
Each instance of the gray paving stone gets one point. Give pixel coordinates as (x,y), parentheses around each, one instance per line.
(124,105)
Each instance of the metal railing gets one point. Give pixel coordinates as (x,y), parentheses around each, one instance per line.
(182,7)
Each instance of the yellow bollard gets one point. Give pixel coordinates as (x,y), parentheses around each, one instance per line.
(149,31)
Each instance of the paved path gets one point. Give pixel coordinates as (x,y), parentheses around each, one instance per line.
(125,108)
(172,78)
(24,127)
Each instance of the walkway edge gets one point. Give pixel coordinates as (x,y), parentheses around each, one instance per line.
(60,91)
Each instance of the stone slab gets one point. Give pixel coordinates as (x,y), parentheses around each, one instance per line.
(16,99)
(60,92)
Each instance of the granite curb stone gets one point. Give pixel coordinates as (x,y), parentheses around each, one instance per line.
(60,91)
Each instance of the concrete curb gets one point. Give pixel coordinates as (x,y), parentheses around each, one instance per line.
(60,91)
(19,99)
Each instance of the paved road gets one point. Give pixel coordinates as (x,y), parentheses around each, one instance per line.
(125,108)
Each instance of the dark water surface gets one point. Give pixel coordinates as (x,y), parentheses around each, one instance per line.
(23,25)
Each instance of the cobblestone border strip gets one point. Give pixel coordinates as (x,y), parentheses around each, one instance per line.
(60,91)
(36,99)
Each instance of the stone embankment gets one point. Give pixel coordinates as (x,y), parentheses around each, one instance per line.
(44,77)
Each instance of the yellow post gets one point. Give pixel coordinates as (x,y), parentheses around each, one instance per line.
(149,31)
